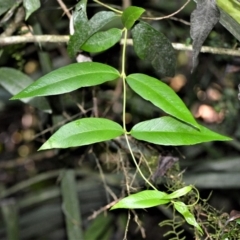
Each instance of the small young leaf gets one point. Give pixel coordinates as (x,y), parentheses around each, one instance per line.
(153,46)
(170,131)
(203,19)
(161,95)
(131,15)
(82,132)
(69,78)
(189,217)
(14,81)
(102,41)
(31,6)
(144,199)
(180,192)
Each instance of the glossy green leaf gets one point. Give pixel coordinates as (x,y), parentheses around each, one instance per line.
(180,192)
(170,131)
(84,30)
(153,46)
(131,15)
(69,78)
(102,41)
(189,217)
(161,95)
(31,6)
(14,81)
(144,199)
(82,132)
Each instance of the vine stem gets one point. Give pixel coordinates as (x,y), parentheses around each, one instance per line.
(107,6)
(123,75)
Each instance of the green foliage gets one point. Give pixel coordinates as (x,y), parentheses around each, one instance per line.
(70,78)
(31,6)
(131,15)
(169,131)
(150,45)
(8,77)
(83,132)
(5,5)
(84,29)
(231,7)
(161,95)
(102,41)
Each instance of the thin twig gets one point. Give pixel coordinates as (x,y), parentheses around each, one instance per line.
(168,16)
(4,41)
(64,8)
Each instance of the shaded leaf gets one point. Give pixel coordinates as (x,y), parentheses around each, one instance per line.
(5,5)
(82,132)
(161,95)
(84,30)
(153,46)
(102,41)
(130,15)
(69,78)
(31,6)
(144,199)
(14,81)
(169,131)
(189,217)
(203,19)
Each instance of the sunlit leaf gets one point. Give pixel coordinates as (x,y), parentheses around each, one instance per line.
(82,132)
(131,15)
(102,40)
(170,131)
(151,45)
(144,199)
(161,95)
(69,78)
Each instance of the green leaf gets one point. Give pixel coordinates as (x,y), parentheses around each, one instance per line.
(180,192)
(144,199)
(153,46)
(31,6)
(83,132)
(84,30)
(189,217)
(5,5)
(232,7)
(161,95)
(170,131)
(69,78)
(14,81)
(102,41)
(131,15)
(98,227)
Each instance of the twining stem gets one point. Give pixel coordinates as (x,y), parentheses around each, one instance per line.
(123,75)
(107,6)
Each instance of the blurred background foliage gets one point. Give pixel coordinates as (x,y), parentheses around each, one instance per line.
(31,195)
